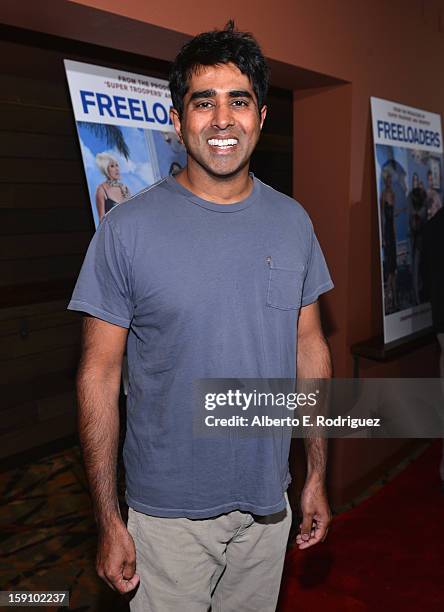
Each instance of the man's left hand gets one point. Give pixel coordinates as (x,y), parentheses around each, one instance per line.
(316,515)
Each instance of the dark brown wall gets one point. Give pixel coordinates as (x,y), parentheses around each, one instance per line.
(44,230)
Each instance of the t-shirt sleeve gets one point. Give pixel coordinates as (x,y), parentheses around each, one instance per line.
(317,279)
(103,288)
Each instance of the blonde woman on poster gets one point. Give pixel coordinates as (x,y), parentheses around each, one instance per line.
(112,191)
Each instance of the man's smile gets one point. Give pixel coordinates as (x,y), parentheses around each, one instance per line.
(223,144)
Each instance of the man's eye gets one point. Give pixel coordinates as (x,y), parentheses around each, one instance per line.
(240,103)
(205,104)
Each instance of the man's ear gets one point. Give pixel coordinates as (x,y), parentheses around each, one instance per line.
(174,116)
(263,114)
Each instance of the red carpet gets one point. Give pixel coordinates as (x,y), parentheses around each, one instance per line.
(387,554)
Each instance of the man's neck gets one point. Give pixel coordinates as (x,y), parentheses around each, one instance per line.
(213,189)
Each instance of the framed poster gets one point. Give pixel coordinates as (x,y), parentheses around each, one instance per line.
(409,165)
(126,137)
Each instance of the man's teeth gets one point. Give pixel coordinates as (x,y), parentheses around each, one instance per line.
(226,142)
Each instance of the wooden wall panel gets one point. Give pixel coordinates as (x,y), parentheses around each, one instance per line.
(33,90)
(38,146)
(25,369)
(25,170)
(43,221)
(37,120)
(37,195)
(39,341)
(46,385)
(20,271)
(31,310)
(35,293)
(45,229)
(22,439)
(31,245)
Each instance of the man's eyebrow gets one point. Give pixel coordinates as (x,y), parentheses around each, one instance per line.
(240,93)
(211,93)
(206,93)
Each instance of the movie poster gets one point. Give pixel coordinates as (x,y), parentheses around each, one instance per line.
(409,175)
(126,137)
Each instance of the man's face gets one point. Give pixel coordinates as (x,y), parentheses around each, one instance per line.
(430,180)
(221,122)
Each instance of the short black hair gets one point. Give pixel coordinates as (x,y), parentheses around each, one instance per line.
(220,47)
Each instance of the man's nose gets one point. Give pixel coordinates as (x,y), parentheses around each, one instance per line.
(223,116)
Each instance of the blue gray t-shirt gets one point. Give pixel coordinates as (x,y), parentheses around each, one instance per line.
(207,291)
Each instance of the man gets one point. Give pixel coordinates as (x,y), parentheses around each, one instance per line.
(212,272)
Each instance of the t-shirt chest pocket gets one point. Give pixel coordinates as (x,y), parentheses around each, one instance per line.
(285,283)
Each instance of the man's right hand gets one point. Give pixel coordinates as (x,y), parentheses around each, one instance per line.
(116,558)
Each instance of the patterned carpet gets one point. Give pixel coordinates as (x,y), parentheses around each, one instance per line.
(48,535)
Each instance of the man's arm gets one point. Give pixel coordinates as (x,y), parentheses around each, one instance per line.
(313,361)
(98,387)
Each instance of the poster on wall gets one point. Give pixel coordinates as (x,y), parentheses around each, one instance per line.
(126,138)
(409,185)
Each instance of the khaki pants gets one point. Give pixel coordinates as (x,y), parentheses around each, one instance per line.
(230,563)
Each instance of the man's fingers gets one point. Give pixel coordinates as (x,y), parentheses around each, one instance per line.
(128,585)
(306,527)
(114,577)
(322,523)
(129,569)
(121,584)
(315,539)
(318,533)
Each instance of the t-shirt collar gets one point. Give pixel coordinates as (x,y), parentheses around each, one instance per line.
(222,208)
